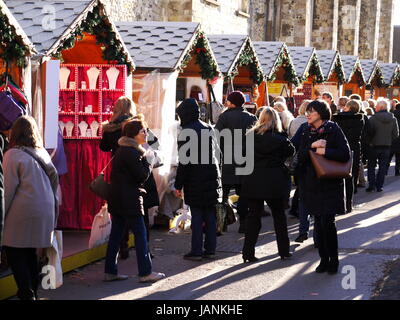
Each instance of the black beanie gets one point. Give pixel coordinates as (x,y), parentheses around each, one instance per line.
(237,98)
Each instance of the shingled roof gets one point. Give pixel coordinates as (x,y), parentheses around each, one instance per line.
(390,72)
(369,68)
(158,45)
(19,32)
(303,58)
(350,65)
(330,61)
(35,18)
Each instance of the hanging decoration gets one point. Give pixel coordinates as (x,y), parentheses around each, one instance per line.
(283,60)
(396,78)
(357,70)
(97,25)
(377,79)
(248,58)
(339,70)
(315,70)
(13,50)
(201,48)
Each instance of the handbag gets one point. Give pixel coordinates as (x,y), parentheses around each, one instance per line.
(330,169)
(9,110)
(99,186)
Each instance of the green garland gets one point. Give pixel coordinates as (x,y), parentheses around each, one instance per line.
(202,50)
(378,77)
(284,61)
(248,58)
(315,70)
(339,71)
(97,24)
(13,50)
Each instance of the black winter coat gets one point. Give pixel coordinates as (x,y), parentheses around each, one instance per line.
(396,142)
(231,119)
(270,177)
(201,183)
(109,143)
(321,196)
(129,171)
(352,125)
(2,209)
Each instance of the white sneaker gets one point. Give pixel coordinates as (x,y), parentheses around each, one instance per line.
(152,277)
(114,277)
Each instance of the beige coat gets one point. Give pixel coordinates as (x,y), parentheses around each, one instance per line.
(30,206)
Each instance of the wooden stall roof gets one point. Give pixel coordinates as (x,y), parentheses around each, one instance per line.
(161,45)
(331,62)
(68,16)
(391,73)
(272,55)
(351,64)
(305,59)
(19,32)
(228,50)
(372,71)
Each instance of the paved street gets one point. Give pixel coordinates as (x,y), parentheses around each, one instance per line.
(369,241)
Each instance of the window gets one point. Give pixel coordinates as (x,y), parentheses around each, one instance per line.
(243,10)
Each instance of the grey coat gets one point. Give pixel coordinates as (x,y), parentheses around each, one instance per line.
(384,127)
(31,209)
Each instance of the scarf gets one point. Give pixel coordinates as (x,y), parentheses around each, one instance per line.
(130,142)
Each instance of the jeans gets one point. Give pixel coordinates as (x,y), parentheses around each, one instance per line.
(204,215)
(381,156)
(137,226)
(253,226)
(242,206)
(326,236)
(24,265)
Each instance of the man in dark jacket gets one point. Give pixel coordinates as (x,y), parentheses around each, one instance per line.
(199,177)
(396,143)
(385,130)
(327,96)
(352,124)
(2,213)
(234,118)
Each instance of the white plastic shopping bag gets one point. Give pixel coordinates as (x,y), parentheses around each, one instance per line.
(54,255)
(182,220)
(101,228)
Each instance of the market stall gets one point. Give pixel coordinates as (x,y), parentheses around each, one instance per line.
(332,68)
(278,67)
(354,76)
(240,66)
(309,72)
(391,78)
(15,58)
(174,61)
(373,78)
(80,70)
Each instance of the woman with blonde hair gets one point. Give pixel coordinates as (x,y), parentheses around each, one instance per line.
(31,204)
(285,115)
(299,120)
(268,182)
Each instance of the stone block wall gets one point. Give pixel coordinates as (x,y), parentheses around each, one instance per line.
(220,17)
(136,10)
(369,29)
(324,24)
(260,22)
(349,22)
(385,46)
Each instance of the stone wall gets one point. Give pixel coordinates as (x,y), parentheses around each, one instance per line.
(385,46)
(349,22)
(324,22)
(221,17)
(260,22)
(369,29)
(136,10)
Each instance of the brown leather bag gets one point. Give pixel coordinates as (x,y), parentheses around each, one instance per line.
(330,169)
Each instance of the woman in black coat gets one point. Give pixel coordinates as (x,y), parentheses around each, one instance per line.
(323,198)
(130,170)
(395,150)
(124,111)
(268,182)
(352,124)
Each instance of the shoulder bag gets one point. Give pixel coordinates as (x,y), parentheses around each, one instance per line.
(99,186)
(330,169)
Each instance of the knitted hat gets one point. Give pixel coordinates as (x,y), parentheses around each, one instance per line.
(237,98)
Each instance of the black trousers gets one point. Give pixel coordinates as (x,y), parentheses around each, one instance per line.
(253,225)
(242,205)
(327,239)
(24,265)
